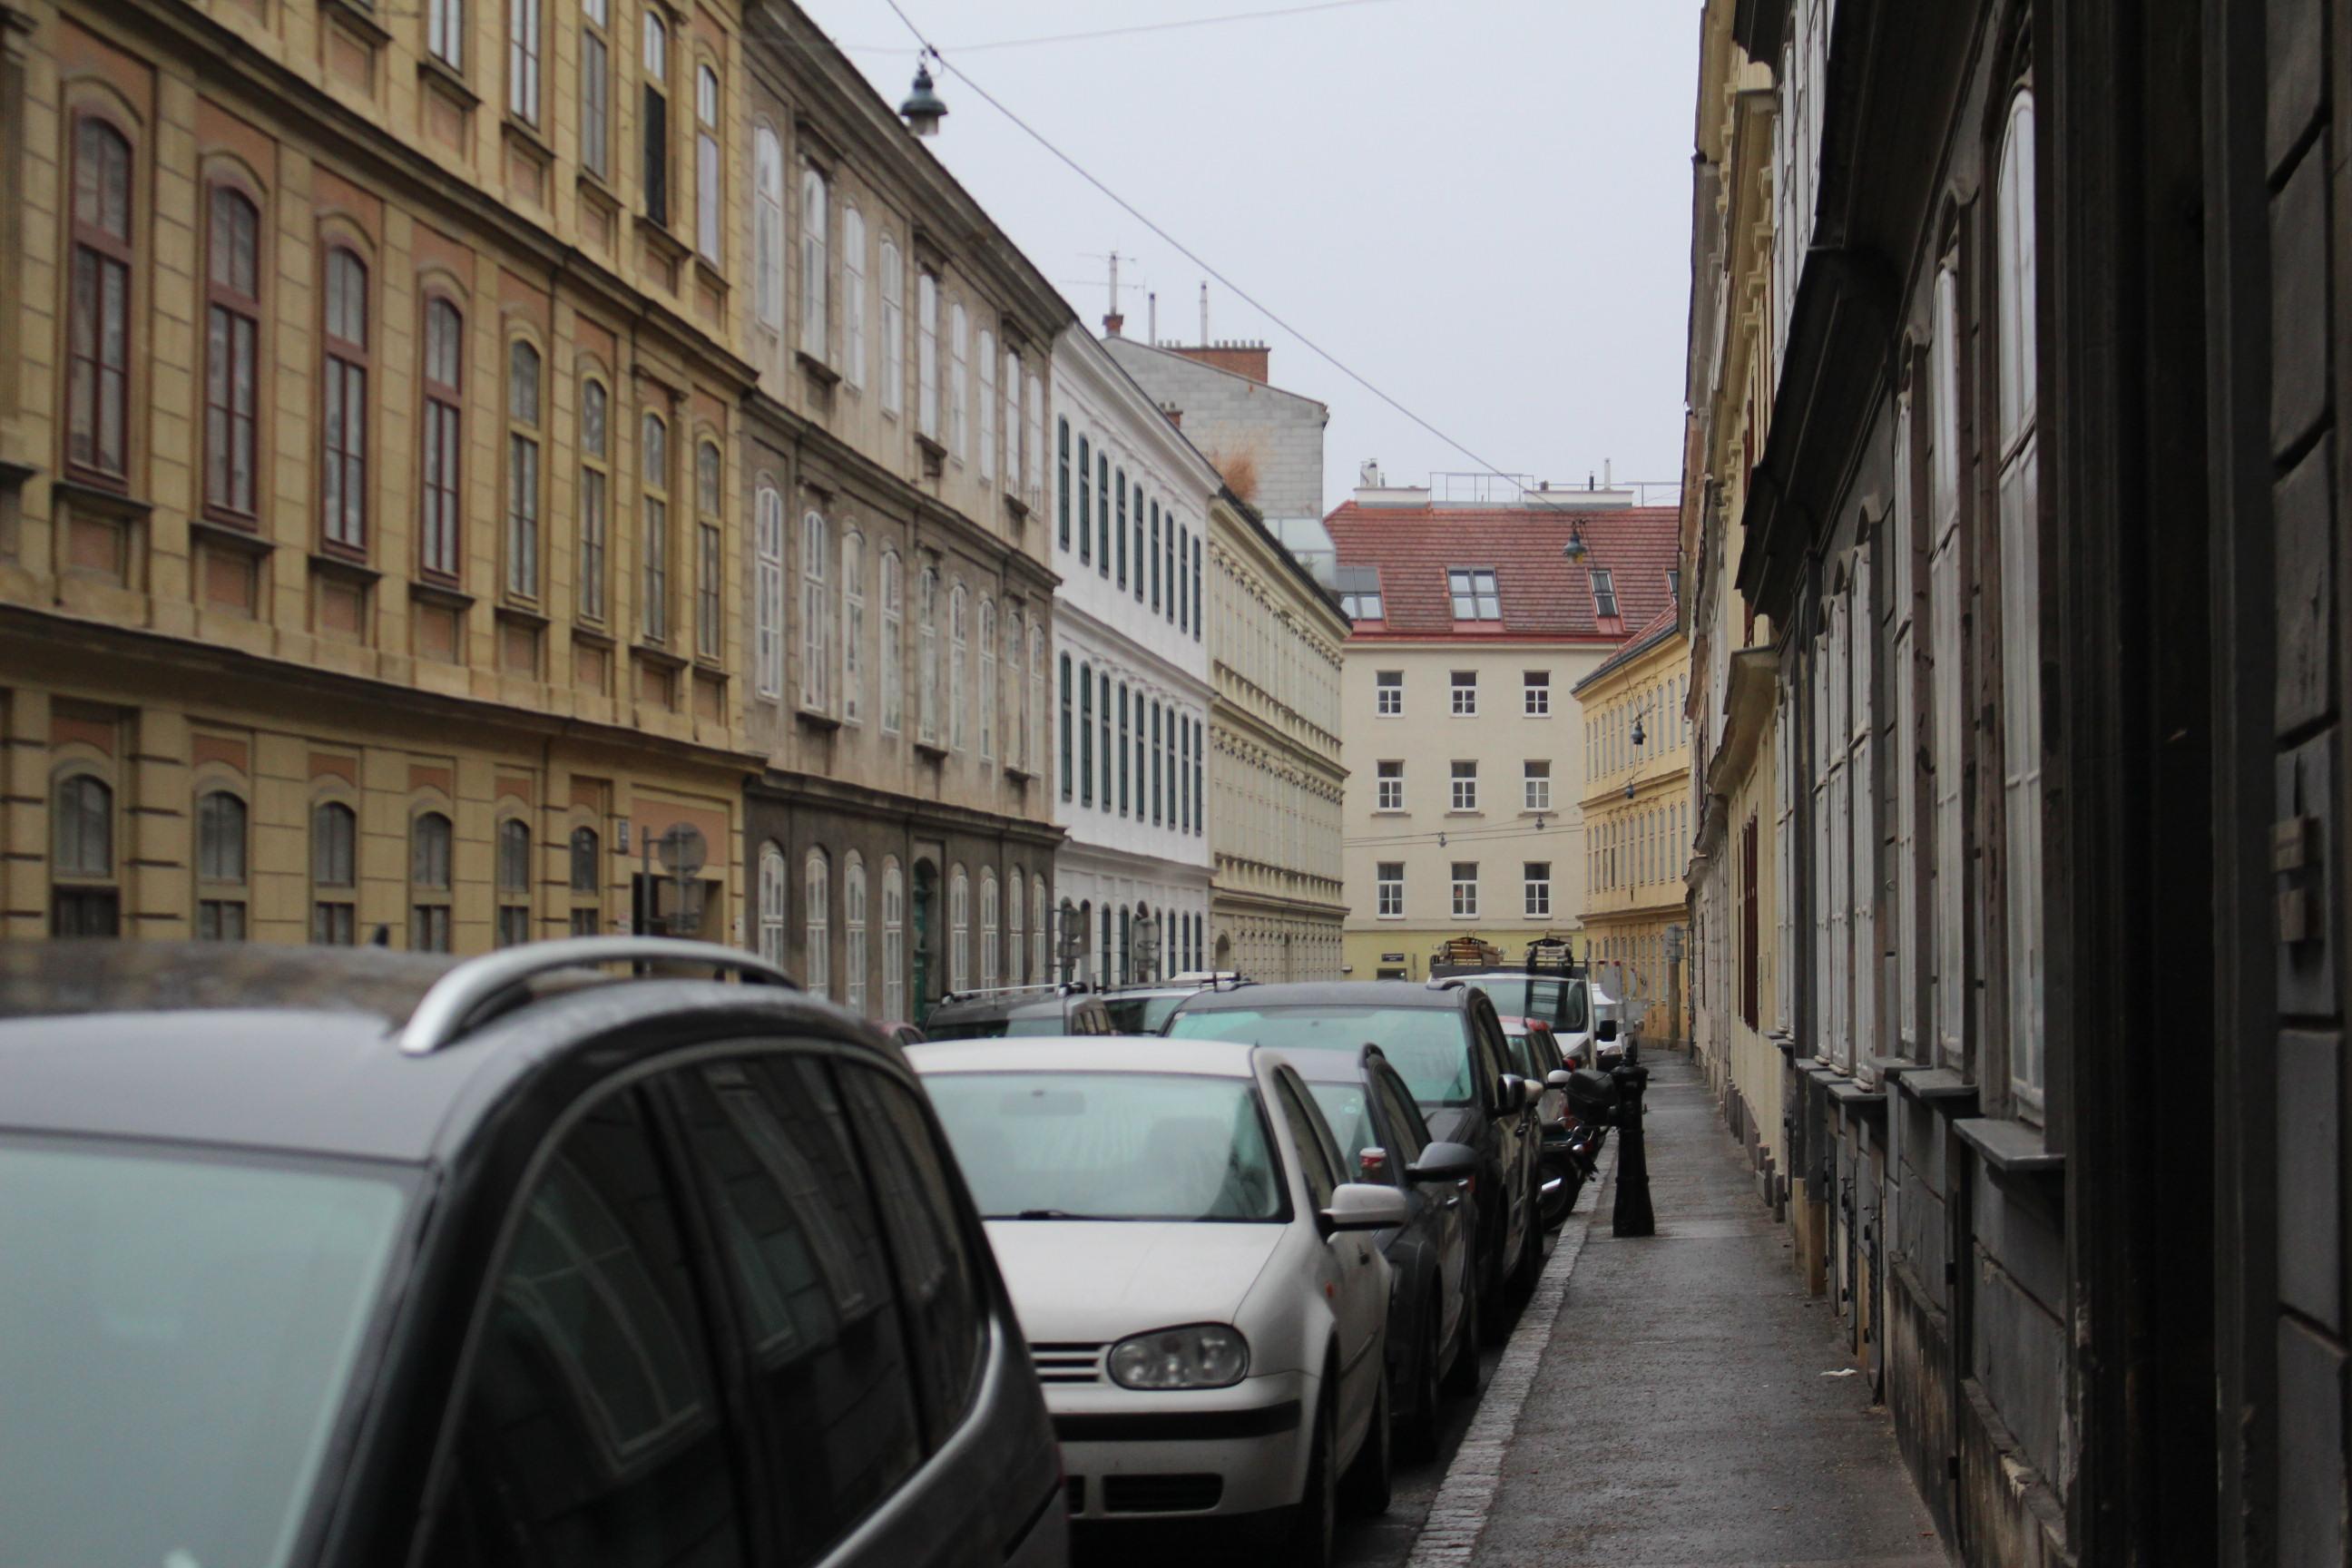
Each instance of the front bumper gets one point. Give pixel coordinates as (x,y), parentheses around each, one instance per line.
(1135,1454)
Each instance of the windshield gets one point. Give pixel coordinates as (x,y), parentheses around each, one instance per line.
(174,1338)
(1051,1022)
(1560,1002)
(1427,1044)
(1142,1015)
(1139,1146)
(975,1030)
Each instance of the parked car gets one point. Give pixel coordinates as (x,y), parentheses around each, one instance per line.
(1444,1039)
(1563,1000)
(1146,1009)
(1432,1307)
(342,1257)
(1197,1273)
(1612,1031)
(1560,1176)
(1014,1010)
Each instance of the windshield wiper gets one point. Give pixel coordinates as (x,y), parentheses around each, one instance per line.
(1054,1214)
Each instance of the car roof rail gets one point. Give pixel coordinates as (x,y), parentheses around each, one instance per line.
(460,996)
(1445,983)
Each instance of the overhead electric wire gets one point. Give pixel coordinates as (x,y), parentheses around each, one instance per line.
(1140,27)
(1187,252)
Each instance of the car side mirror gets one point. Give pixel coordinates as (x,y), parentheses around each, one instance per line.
(1557,1077)
(1444,1163)
(1507,1098)
(1359,1206)
(1529,1091)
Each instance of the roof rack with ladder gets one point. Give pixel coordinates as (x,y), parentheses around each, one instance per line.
(460,996)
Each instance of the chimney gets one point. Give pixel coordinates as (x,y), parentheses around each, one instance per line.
(1242,359)
(1175,414)
(1151,317)
(1112,320)
(1204,313)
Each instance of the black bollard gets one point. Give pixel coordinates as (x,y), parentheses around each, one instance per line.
(1633,1215)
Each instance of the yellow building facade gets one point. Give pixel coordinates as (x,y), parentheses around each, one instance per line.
(368,457)
(1638,825)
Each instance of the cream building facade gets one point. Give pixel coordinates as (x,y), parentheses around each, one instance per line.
(1638,823)
(1467,747)
(1277,783)
(369,418)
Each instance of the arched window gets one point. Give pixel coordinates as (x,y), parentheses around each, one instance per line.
(894,668)
(98,335)
(816,615)
(959,930)
(428,882)
(894,330)
(853,296)
(927,352)
(514,881)
(958,381)
(958,645)
(989,920)
(1124,964)
(771,903)
(220,866)
(2020,593)
(1039,962)
(709,551)
(334,883)
(987,678)
(443,437)
(927,598)
(815,339)
(653,117)
(709,185)
(343,416)
(231,365)
(587,882)
(893,943)
(1032,439)
(816,892)
(653,615)
(595,496)
(853,917)
(768,591)
(853,628)
(523,469)
(768,227)
(987,404)
(1016,639)
(1016,897)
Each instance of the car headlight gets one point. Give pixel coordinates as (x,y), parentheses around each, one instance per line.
(1204,1355)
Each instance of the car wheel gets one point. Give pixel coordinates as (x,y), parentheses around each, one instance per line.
(1529,1265)
(1565,1182)
(1494,1306)
(1368,1478)
(1420,1425)
(1462,1377)
(1314,1523)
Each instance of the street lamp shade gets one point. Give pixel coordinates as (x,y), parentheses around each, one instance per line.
(1638,735)
(923,110)
(1575,549)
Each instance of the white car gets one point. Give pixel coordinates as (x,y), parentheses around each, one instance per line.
(1201,1287)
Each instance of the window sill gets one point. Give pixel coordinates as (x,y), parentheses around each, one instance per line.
(333,564)
(438,73)
(83,496)
(594,187)
(817,370)
(1940,1089)
(446,595)
(1015,508)
(712,274)
(1458,811)
(361,19)
(521,616)
(594,637)
(2009,1147)
(1391,811)
(816,718)
(246,540)
(657,655)
(658,236)
(527,138)
(1018,774)
(936,751)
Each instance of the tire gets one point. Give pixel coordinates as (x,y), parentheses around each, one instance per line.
(1558,1204)
(1420,1430)
(1462,1377)
(1529,1268)
(1493,1305)
(1309,1536)
(1367,1487)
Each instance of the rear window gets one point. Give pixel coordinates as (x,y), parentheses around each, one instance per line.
(1140,1014)
(977,1029)
(176,1338)
(1121,1146)
(1427,1044)
(1560,1002)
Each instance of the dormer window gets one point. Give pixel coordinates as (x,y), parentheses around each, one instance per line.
(1604,594)
(1360,594)
(1474,594)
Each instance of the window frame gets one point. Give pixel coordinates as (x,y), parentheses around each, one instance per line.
(653,545)
(520,537)
(110,256)
(441,437)
(594,595)
(232,405)
(346,371)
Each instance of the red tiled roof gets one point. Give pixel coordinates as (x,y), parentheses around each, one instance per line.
(1633,648)
(1543,594)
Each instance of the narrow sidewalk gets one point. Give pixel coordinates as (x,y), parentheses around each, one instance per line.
(1682,1414)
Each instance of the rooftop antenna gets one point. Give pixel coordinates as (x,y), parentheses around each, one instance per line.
(1112,320)
(1151,313)
(1204,313)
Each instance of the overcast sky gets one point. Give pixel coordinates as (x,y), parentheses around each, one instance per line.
(1482,206)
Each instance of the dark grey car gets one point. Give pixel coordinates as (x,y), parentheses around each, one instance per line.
(1016,1010)
(1433,1341)
(333,1257)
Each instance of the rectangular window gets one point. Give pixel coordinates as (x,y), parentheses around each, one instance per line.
(595,87)
(442,439)
(1466,889)
(710,192)
(99,333)
(1474,594)
(709,627)
(1538,889)
(1124,742)
(1086,505)
(523,470)
(654,448)
(1085,736)
(1536,693)
(654,120)
(1391,786)
(1466,693)
(233,331)
(926,354)
(445,32)
(1388,693)
(1061,491)
(1391,883)
(595,502)
(1360,594)
(1197,604)
(342,467)
(1538,784)
(522,59)
(1465,785)
(1604,592)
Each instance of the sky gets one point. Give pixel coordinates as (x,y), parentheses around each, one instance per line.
(1480,206)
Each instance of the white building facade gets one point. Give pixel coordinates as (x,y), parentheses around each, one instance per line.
(1127,527)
